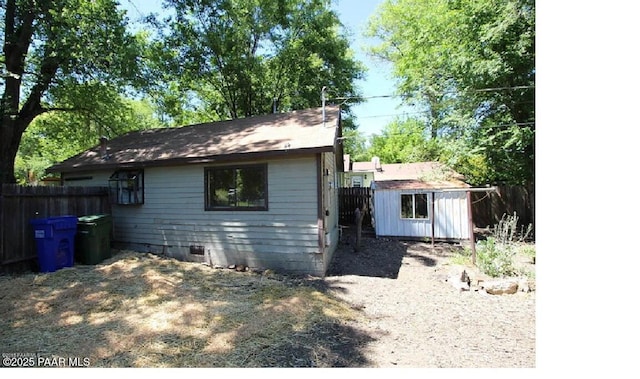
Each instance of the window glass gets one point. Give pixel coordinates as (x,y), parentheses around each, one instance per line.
(238,187)
(406,206)
(414,205)
(422,203)
(127,187)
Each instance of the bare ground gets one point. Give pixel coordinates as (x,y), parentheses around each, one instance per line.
(415,318)
(395,310)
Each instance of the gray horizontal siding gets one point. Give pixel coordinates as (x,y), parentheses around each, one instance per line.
(173,218)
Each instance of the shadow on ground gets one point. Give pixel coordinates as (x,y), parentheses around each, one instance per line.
(377,257)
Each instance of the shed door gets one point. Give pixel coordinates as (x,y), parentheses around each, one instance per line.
(451,215)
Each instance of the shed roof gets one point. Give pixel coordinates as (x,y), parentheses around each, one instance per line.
(419,175)
(302,131)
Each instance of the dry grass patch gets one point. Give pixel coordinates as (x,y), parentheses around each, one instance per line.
(141,310)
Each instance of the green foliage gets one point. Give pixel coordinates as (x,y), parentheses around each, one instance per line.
(495,254)
(355,144)
(471,65)
(232,58)
(495,259)
(61,55)
(463,257)
(400,142)
(54,136)
(468,160)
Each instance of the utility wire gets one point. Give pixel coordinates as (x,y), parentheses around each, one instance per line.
(447,92)
(136,9)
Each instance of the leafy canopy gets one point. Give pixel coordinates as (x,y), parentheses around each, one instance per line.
(61,56)
(238,58)
(471,65)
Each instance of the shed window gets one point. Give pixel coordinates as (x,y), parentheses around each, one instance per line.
(414,205)
(236,188)
(127,187)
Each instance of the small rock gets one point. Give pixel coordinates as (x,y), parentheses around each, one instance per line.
(500,287)
(460,281)
(524,285)
(256,270)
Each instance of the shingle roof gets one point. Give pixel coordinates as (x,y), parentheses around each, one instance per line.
(275,134)
(420,175)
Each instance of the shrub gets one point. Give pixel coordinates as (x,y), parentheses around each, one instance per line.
(529,251)
(495,259)
(506,232)
(463,257)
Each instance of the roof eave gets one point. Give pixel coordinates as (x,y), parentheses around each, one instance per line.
(181,161)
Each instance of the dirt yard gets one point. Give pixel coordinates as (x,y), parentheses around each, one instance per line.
(414,318)
(386,306)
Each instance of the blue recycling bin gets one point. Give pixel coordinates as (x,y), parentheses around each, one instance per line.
(55,240)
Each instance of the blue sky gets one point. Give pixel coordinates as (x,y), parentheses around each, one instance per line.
(373,114)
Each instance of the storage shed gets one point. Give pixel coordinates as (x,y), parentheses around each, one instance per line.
(420,200)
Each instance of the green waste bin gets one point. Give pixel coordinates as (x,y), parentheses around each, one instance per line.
(93,239)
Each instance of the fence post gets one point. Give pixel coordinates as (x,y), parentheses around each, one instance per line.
(472,239)
(358,229)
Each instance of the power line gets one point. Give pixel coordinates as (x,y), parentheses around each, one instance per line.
(503,88)
(447,92)
(363,97)
(394,114)
(136,8)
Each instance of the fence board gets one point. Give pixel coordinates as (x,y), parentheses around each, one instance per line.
(352,198)
(488,208)
(20,204)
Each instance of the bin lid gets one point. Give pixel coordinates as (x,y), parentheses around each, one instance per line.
(54,220)
(93,218)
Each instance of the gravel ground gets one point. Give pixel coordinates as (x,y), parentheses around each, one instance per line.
(416,319)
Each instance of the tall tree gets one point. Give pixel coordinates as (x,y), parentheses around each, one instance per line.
(55,136)
(355,144)
(238,58)
(61,55)
(471,64)
(401,141)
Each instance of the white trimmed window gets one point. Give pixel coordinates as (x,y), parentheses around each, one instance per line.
(414,206)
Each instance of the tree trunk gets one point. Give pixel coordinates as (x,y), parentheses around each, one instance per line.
(8,150)
(13,120)
(10,136)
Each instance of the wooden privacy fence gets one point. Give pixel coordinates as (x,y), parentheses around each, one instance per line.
(21,204)
(352,198)
(488,208)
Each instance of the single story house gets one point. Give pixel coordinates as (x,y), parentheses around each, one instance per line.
(259,191)
(356,174)
(420,200)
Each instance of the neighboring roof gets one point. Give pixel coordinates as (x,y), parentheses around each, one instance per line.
(302,131)
(362,166)
(420,175)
